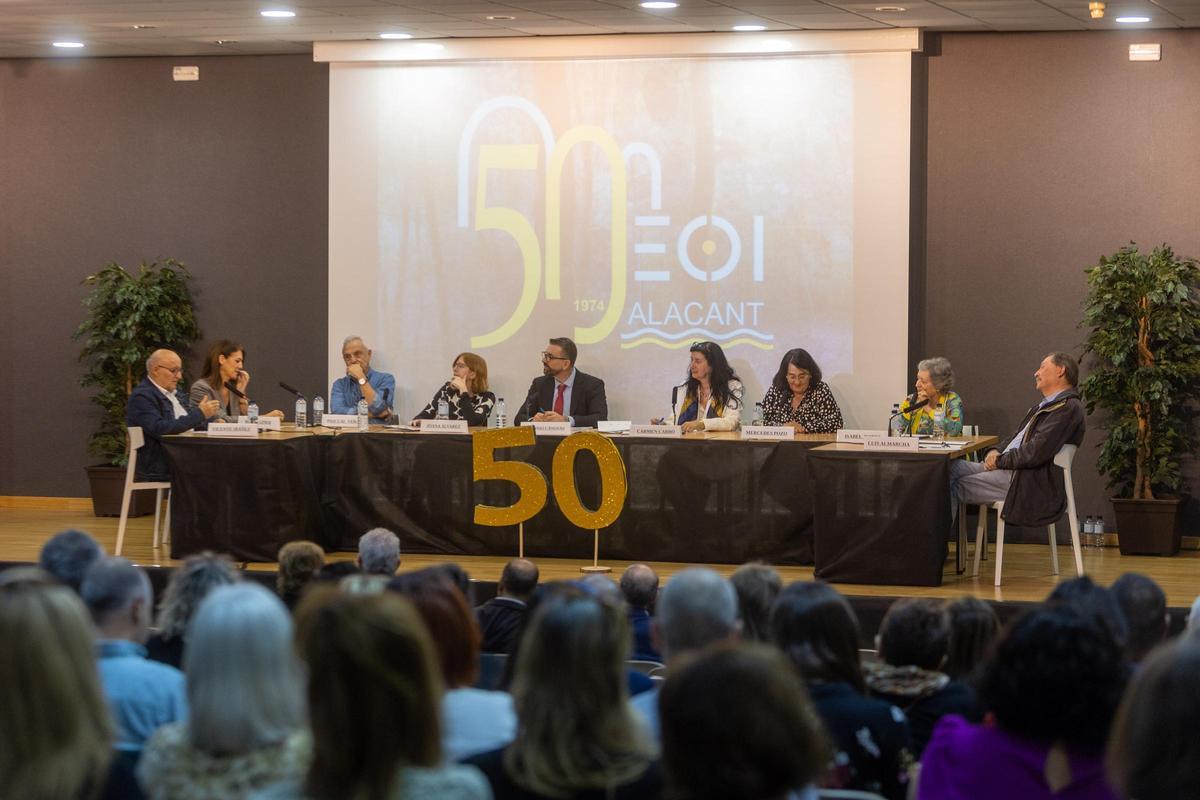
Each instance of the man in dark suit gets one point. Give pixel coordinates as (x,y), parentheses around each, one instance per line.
(155,407)
(501,618)
(639,584)
(563,392)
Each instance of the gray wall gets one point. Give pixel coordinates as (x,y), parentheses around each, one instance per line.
(1041,152)
(1045,151)
(109,159)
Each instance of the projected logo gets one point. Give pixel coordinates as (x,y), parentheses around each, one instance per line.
(671,325)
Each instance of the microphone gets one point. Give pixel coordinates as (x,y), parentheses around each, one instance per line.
(674,400)
(530,402)
(914,403)
(231,385)
(287,388)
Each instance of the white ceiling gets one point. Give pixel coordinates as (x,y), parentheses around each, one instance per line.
(193,27)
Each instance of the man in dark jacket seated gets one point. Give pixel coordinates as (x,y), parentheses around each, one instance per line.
(1022,471)
(155,407)
(502,617)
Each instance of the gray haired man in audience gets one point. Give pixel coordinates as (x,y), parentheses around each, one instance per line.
(697,608)
(379,552)
(142,694)
(68,555)
(639,585)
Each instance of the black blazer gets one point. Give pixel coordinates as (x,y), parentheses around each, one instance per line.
(152,412)
(588,403)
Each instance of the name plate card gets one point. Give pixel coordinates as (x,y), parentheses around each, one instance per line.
(772,433)
(657,431)
(851,436)
(892,444)
(444,426)
(264,423)
(614,425)
(549,428)
(339,420)
(239,429)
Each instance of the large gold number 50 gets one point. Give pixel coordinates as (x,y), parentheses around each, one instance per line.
(529,479)
(509,156)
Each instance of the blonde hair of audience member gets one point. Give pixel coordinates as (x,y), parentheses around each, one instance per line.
(577,730)
(55,732)
(188,587)
(373,692)
(243,680)
(1153,751)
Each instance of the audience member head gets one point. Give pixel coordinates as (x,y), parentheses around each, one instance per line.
(189,585)
(1144,606)
(737,722)
(1055,675)
(696,608)
(458,578)
(243,680)
(451,624)
(55,733)
(915,632)
(68,555)
(603,587)
(1087,597)
(373,692)
(639,585)
(577,730)
(335,571)
(379,552)
(757,586)
(973,627)
(1154,751)
(518,579)
(816,629)
(299,563)
(117,593)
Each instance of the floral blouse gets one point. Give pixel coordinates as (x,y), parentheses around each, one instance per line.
(818,412)
(922,419)
(473,408)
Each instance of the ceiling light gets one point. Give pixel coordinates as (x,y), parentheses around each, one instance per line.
(499,17)
(395,36)
(1132,19)
(144,27)
(277,13)
(891,9)
(428,46)
(68,44)
(225,41)
(1096,9)
(749,27)
(659,4)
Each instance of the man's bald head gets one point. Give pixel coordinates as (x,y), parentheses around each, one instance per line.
(519,578)
(165,368)
(639,584)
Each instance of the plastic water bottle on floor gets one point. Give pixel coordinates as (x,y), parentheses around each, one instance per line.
(363,421)
(443,410)
(252,411)
(1086,534)
(318,409)
(301,412)
(1098,531)
(499,418)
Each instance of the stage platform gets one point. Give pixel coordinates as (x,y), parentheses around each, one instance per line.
(25,523)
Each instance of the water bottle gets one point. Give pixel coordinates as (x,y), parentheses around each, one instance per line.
(318,409)
(252,412)
(363,421)
(1098,531)
(443,411)
(1089,529)
(301,413)
(939,424)
(498,415)
(895,421)
(758,415)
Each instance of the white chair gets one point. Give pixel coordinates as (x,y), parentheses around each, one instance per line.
(1063,459)
(136,440)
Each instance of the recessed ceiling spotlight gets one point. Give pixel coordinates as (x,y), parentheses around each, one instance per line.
(499,17)
(659,4)
(749,27)
(891,9)
(277,13)
(225,41)
(429,46)
(68,44)
(144,27)
(395,36)
(1132,19)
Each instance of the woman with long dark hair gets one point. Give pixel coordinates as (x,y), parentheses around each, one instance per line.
(712,394)
(799,398)
(224,364)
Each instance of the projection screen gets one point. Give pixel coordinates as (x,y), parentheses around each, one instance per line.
(635,203)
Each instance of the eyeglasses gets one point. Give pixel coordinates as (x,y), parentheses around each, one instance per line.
(703,347)
(552,357)
(799,376)
(172,370)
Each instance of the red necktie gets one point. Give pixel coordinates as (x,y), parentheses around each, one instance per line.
(558,401)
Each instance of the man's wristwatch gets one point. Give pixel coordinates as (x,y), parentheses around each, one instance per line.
(362,381)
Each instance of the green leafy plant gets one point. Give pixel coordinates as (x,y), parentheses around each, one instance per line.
(128,317)
(1143,312)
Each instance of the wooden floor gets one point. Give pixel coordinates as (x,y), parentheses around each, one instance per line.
(1027,575)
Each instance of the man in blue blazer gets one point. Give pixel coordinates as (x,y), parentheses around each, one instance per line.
(563,392)
(155,407)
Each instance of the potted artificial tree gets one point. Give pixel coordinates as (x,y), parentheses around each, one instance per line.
(1144,316)
(128,317)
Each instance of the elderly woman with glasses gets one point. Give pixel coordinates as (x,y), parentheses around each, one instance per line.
(466,393)
(935,379)
(799,398)
(712,394)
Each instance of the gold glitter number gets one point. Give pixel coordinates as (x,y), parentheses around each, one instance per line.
(612,480)
(529,480)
